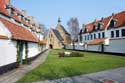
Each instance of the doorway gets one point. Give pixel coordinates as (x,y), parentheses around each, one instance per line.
(50,46)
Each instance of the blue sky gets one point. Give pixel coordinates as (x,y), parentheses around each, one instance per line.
(48,11)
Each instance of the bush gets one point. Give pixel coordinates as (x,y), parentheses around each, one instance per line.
(77,54)
(73,54)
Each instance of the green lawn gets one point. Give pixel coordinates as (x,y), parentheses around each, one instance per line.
(55,67)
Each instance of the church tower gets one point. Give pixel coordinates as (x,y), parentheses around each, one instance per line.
(65,35)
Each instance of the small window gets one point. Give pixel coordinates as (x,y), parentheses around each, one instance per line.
(99,36)
(95,27)
(80,38)
(123,32)
(21,18)
(88,37)
(112,34)
(103,35)
(91,36)
(117,33)
(85,37)
(112,23)
(94,36)
(11,12)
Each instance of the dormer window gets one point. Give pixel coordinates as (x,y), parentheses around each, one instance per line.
(112,23)
(85,30)
(20,16)
(95,27)
(100,25)
(10,10)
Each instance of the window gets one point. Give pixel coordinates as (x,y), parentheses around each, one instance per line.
(99,25)
(94,36)
(11,12)
(99,36)
(21,18)
(117,33)
(85,37)
(91,36)
(85,30)
(112,23)
(95,27)
(123,32)
(88,37)
(80,38)
(112,34)
(103,35)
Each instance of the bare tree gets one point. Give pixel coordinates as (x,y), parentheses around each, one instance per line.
(44,29)
(73,27)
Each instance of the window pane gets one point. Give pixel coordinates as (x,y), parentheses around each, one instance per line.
(112,34)
(91,36)
(117,33)
(99,35)
(103,35)
(94,36)
(123,32)
(85,37)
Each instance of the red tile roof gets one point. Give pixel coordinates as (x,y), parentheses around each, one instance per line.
(96,42)
(2,7)
(43,41)
(3,37)
(120,19)
(105,22)
(4,11)
(18,32)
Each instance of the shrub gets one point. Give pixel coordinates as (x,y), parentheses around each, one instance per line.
(73,54)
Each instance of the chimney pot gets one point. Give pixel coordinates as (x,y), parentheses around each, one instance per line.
(24,12)
(31,19)
(102,19)
(112,14)
(95,20)
(7,2)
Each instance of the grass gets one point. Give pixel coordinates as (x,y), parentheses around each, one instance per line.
(55,67)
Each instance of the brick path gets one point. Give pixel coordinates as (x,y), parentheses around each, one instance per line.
(14,75)
(116,75)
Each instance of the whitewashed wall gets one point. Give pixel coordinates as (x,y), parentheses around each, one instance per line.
(7,52)
(94,48)
(116,46)
(33,49)
(77,47)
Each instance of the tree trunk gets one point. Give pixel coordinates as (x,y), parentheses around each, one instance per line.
(73,43)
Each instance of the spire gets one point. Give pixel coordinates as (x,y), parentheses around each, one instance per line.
(59,20)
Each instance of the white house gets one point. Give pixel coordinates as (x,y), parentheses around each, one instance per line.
(105,35)
(19,37)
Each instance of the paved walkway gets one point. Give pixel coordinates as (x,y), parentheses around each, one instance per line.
(116,75)
(14,75)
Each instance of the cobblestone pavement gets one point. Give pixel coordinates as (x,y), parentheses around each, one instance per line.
(14,75)
(116,75)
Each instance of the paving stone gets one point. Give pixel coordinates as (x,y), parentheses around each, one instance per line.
(16,74)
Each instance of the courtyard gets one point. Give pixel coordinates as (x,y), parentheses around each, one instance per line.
(56,67)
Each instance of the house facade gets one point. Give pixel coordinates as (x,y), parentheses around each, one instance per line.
(19,37)
(105,35)
(58,38)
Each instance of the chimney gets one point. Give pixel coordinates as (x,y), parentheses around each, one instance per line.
(113,14)
(102,19)
(31,19)
(83,25)
(24,12)
(95,20)
(7,2)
